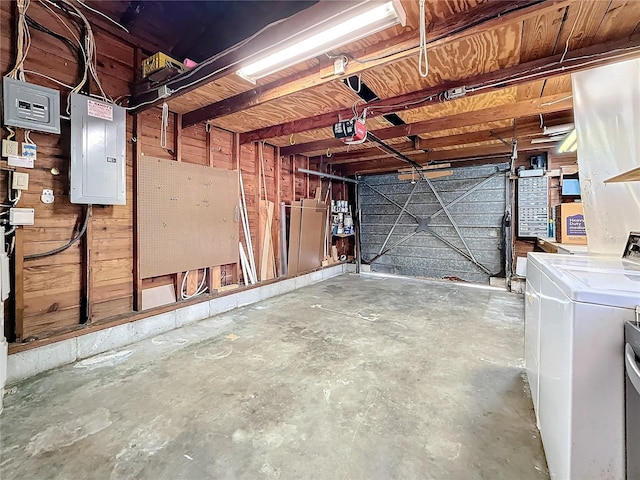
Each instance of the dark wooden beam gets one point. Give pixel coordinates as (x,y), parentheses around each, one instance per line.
(421,144)
(517,75)
(346,171)
(460,25)
(453,156)
(544,105)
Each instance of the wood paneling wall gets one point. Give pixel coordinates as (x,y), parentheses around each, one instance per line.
(51,301)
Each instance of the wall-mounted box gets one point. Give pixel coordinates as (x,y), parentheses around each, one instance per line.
(21,216)
(98,144)
(31,106)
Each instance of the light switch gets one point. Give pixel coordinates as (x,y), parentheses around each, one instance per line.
(20,181)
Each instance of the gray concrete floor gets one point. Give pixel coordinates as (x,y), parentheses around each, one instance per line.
(353,378)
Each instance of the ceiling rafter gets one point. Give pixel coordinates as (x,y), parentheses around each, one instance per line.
(425,159)
(477,20)
(523,108)
(547,67)
(421,144)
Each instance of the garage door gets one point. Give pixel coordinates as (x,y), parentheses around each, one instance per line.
(406,231)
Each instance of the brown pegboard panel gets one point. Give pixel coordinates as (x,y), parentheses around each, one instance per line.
(188,216)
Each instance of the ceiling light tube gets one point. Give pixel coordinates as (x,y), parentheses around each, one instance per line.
(366,19)
(558,129)
(569,144)
(555,138)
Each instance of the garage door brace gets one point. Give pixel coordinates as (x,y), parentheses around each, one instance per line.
(418,169)
(425,227)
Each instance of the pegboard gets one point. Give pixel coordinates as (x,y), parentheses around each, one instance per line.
(187,216)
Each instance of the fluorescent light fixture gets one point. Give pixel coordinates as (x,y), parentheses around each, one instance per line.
(570,143)
(365,19)
(556,138)
(558,129)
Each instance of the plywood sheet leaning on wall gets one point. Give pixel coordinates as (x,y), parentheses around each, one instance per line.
(188,217)
(307,235)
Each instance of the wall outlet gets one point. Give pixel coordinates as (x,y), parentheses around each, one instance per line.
(339,66)
(20,181)
(21,216)
(10,148)
(47,196)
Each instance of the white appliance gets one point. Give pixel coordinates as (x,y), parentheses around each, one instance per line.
(575,311)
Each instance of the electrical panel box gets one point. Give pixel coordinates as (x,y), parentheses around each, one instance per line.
(98,145)
(31,106)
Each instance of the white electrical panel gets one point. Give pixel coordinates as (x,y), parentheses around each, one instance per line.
(98,145)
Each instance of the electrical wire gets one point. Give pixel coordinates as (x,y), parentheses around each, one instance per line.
(69,243)
(566,45)
(81,2)
(423,61)
(164,125)
(23,40)
(199,291)
(62,84)
(348,81)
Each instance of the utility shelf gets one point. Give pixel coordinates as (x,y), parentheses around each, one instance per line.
(632,175)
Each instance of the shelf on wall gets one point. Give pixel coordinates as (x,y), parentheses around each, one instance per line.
(343,235)
(632,175)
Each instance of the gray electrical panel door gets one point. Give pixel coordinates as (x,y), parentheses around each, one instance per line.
(98,145)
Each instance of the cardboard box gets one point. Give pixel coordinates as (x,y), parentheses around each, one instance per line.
(570,227)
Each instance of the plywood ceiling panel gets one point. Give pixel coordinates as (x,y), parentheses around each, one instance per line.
(557,85)
(210,93)
(580,33)
(310,136)
(465,104)
(469,129)
(540,35)
(458,60)
(322,99)
(622,18)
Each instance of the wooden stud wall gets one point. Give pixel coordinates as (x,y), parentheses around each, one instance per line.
(49,294)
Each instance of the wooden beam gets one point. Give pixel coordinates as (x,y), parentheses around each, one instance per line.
(421,144)
(177,136)
(517,75)
(452,156)
(481,18)
(377,169)
(87,274)
(544,105)
(137,155)
(18,287)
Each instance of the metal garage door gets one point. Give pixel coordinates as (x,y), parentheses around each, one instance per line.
(423,239)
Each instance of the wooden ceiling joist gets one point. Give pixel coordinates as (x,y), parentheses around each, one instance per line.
(548,67)
(421,144)
(544,105)
(475,21)
(474,154)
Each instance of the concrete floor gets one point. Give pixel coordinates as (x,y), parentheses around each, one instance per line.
(353,378)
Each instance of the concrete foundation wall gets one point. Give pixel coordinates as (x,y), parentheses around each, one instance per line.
(32,362)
